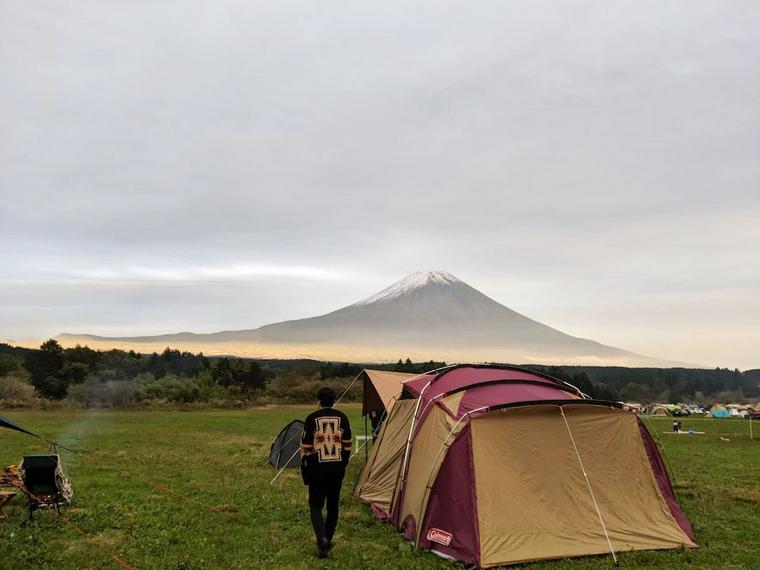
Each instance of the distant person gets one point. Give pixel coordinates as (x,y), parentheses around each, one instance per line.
(325,451)
(675,426)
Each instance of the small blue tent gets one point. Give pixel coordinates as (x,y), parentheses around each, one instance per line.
(720,412)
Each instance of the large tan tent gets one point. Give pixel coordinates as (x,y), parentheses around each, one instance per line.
(497,465)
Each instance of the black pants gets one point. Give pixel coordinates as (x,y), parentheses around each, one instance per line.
(324,528)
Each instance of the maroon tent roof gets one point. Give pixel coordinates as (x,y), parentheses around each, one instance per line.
(487,385)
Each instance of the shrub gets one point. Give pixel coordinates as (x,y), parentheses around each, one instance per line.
(8,365)
(16,392)
(169,388)
(295,388)
(111,394)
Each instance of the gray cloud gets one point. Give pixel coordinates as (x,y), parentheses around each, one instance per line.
(182,164)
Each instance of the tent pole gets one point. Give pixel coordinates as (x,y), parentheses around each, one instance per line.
(366,436)
(588,483)
(402,473)
(364,411)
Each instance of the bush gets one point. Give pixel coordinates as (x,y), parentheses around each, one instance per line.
(8,365)
(169,388)
(111,394)
(16,392)
(293,387)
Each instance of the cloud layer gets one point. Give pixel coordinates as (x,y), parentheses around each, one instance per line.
(183,165)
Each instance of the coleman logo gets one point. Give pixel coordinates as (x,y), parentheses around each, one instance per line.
(439,536)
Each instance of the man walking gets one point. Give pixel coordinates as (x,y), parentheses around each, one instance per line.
(325,451)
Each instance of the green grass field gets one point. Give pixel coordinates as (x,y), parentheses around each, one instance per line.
(174,489)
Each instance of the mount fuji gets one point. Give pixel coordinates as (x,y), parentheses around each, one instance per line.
(426,315)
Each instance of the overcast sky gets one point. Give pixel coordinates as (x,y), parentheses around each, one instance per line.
(192,165)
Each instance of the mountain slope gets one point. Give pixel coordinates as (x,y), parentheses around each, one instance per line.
(425,315)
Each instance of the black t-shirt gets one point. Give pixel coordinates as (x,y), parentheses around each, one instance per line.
(325,446)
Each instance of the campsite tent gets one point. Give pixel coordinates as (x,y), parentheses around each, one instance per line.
(719,411)
(497,465)
(381,388)
(658,410)
(284,449)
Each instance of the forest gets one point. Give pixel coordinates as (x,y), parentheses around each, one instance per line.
(81,376)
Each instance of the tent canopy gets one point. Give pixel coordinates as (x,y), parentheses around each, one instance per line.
(6,423)
(381,389)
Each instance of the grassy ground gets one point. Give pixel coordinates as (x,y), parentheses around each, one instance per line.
(177,490)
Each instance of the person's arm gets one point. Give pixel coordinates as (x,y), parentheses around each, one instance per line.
(307,437)
(346,441)
(307,449)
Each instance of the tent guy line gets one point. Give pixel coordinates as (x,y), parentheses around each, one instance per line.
(6,423)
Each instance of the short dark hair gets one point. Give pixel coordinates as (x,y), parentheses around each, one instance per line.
(326,396)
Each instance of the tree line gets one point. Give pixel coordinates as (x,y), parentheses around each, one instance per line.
(121,378)
(667,385)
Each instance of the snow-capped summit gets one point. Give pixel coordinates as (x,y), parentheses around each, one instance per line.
(426,315)
(410,283)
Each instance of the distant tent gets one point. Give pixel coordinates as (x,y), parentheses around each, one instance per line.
(6,423)
(720,412)
(284,449)
(658,410)
(381,388)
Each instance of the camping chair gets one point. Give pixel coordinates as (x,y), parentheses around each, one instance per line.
(43,482)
